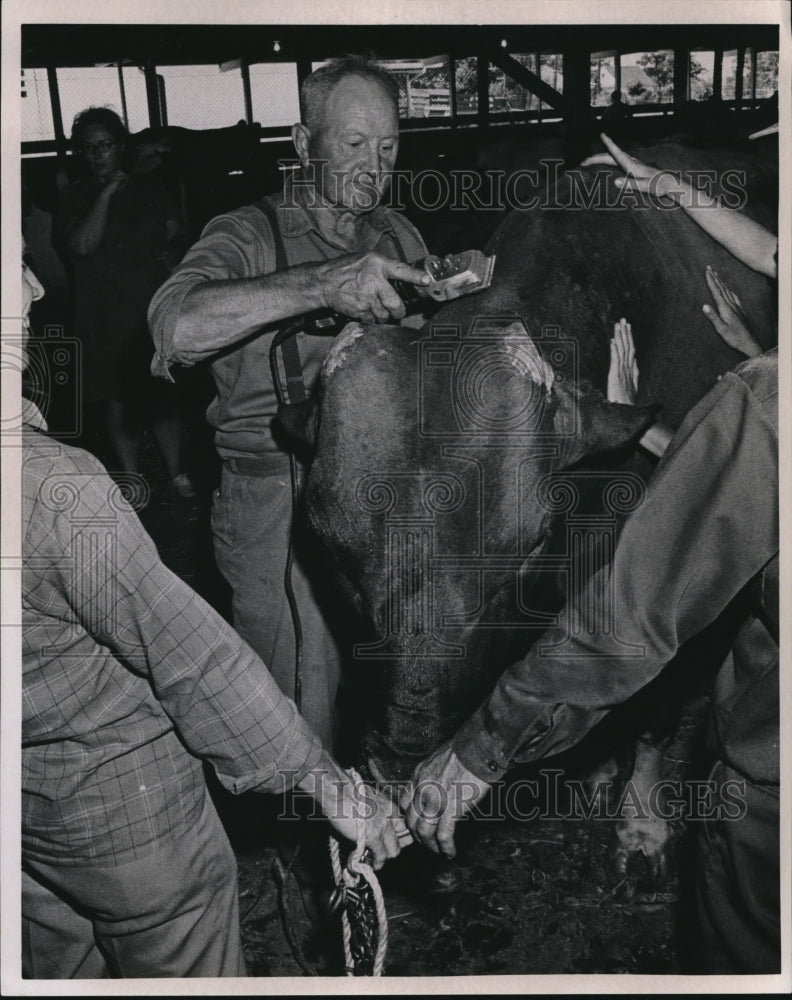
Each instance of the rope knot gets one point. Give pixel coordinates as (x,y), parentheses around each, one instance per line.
(357,872)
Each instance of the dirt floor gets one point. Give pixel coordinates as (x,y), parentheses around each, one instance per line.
(531,898)
(539,896)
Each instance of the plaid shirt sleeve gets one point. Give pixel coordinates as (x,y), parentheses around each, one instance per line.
(220,696)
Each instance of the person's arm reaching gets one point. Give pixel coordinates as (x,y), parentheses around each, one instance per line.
(728,317)
(744,238)
(221,292)
(220,696)
(355,285)
(700,535)
(728,320)
(623,385)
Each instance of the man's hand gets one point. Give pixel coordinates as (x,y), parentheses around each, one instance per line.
(623,371)
(383,827)
(358,286)
(442,791)
(728,318)
(640,176)
(345,806)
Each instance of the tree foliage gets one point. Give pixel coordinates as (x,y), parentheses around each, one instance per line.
(659,67)
(506,94)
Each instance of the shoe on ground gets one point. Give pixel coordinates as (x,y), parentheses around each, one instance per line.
(183,486)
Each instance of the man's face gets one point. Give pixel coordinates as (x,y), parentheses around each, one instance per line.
(356,144)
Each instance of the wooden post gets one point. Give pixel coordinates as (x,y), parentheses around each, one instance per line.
(153,96)
(304,70)
(122,88)
(681,78)
(717,74)
(482,80)
(244,69)
(453,91)
(576,105)
(738,82)
(61,141)
(162,100)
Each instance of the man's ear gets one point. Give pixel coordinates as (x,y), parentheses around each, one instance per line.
(301,137)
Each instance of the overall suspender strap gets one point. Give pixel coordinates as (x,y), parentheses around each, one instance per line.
(399,248)
(289,349)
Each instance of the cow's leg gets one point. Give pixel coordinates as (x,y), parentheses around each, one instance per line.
(601,780)
(643,828)
(672,749)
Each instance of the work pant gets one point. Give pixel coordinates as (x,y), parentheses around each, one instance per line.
(173,913)
(251,523)
(738,885)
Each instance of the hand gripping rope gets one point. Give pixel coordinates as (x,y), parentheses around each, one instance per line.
(364,921)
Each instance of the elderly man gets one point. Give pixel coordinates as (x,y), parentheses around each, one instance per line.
(325,242)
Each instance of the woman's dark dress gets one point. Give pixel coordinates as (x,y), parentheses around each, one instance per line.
(114,285)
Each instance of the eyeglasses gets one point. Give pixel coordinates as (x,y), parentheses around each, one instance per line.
(99,147)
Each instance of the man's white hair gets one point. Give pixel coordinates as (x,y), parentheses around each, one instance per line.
(317,87)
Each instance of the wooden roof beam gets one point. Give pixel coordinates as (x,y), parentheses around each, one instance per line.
(528,79)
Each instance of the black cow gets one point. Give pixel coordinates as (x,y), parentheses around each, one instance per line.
(446,458)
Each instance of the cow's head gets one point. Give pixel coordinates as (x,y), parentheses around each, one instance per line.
(526,390)
(524,419)
(444,433)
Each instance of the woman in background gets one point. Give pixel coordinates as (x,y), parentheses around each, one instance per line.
(120,230)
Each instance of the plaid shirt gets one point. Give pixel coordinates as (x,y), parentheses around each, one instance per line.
(127,676)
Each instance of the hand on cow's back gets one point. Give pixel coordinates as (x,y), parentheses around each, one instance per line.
(359,286)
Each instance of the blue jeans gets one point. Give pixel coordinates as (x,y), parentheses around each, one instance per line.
(251,524)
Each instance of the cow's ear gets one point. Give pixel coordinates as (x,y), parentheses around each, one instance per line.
(600,426)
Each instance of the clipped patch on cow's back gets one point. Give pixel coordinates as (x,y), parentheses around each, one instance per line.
(520,349)
(335,357)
